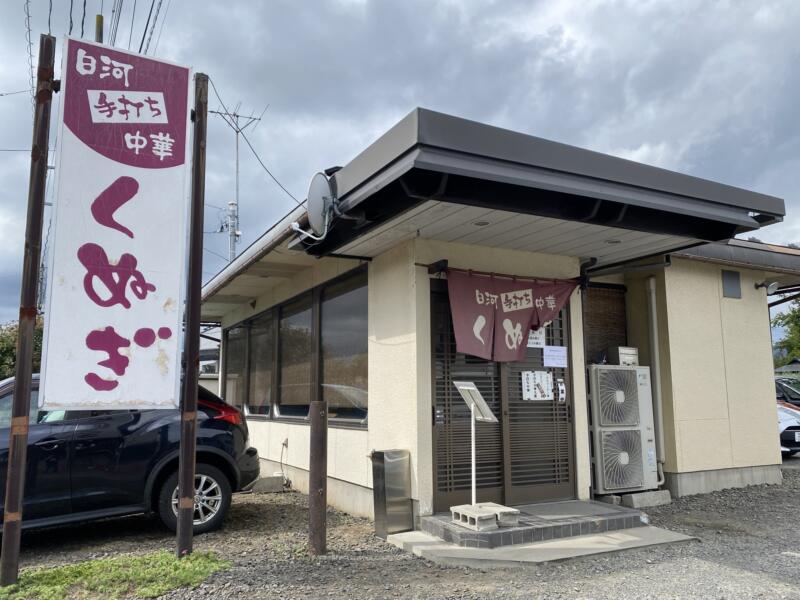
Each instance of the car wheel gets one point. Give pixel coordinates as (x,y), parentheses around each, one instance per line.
(212,494)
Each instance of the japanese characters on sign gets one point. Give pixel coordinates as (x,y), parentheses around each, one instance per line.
(537,385)
(493,315)
(116,281)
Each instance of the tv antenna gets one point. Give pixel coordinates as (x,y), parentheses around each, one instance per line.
(238,123)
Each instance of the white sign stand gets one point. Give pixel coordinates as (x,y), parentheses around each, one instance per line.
(479,411)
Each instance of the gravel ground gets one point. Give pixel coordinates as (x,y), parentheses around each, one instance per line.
(749,547)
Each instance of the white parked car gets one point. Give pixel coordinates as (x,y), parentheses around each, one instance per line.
(789,429)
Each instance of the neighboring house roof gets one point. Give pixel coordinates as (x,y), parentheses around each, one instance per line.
(783,261)
(792,367)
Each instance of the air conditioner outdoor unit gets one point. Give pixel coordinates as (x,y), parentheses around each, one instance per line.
(622,428)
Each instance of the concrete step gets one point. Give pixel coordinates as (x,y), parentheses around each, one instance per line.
(432,548)
(537,523)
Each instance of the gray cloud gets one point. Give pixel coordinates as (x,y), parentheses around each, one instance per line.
(705,88)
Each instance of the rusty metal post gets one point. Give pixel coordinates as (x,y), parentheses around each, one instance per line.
(191,344)
(18,434)
(318,443)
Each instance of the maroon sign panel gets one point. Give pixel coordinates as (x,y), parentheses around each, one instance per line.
(492,315)
(129,108)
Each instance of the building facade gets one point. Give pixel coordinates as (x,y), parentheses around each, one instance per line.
(363,319)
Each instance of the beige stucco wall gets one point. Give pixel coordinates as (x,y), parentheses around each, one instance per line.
(400,401)
(716,360)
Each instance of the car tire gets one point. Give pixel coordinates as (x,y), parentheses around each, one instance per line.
(212,513)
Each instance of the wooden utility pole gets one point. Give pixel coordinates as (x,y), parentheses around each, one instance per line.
(20,409)
(98,29)
(191,344)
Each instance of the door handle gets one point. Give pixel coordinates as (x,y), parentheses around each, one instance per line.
(48,444)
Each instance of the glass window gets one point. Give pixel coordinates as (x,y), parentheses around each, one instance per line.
(5,409)
(262,344)
(731,284)
(235,352)
(295,358)
(344,348)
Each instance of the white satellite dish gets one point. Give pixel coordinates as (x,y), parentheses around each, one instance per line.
(319,204)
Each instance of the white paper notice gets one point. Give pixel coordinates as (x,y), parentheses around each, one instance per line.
(537,385)
(555,356)
(536,338)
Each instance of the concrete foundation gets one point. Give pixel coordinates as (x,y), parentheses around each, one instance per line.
(645,499)
(269,484)
(347,497)
(703,482)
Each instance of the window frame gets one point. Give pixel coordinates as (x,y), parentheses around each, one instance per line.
(731,284)
(273,414)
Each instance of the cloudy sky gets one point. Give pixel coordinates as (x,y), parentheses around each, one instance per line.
(708,88)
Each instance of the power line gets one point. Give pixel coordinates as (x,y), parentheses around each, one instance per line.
(49,16)
(70,17)
(253,150)
(116,16)
(210,251)
(12,93)
(161,29)
(153,26)
(261,162)
(83,17)
(133,18)
(146,25)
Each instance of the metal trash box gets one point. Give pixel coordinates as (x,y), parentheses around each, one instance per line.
(391,488)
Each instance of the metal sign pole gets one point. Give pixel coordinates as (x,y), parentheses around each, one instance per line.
(191,346)
(472,424)
(18,440)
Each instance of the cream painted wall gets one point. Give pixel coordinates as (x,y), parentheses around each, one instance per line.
(716,359)
(393,370)
(347,449)
(400,400)
(636,304)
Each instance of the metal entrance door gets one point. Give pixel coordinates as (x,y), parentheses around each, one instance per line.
(528,455)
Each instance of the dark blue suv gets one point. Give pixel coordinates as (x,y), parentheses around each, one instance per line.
(91,464)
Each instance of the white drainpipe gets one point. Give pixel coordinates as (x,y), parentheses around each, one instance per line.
(655,377)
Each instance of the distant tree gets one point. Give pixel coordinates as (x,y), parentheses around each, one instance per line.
(793,245)
(753,238)
(8,347)
(788,348)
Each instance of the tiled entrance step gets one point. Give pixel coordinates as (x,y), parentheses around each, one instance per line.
(539,522)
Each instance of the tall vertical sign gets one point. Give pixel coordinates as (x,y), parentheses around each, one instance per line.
(116,283)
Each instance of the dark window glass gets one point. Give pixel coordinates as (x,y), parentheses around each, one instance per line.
(344,348)
(6,400)
(262,346)
(235,351)
(731,284)
(295,358)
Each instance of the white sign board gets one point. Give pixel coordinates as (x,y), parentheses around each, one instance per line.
(555,356)
(117,273)
(537,385)
(536,338)
(473,398)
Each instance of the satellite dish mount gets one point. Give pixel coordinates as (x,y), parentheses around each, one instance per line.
(321,206)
